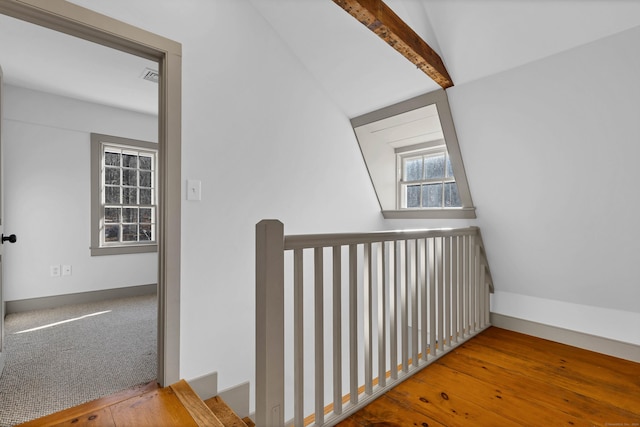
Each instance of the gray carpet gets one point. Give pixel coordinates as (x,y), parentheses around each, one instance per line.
(85,352)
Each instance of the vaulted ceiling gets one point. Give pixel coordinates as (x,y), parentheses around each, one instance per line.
(355,68)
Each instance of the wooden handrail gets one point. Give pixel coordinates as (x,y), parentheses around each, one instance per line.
(308,241)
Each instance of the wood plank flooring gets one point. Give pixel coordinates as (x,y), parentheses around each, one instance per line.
(503,378)
(147,406)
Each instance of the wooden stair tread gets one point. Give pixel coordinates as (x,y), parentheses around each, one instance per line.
(226,415)
(161,407)
(196,407)
(148,405)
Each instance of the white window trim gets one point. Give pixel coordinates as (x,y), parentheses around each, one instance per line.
(439,98)
(98,141)
(413,152)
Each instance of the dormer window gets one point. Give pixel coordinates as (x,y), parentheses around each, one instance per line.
(412,155)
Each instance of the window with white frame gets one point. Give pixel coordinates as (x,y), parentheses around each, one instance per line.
(426,180)
(414,161)
(124,193)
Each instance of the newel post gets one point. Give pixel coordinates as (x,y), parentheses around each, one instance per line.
(270,323)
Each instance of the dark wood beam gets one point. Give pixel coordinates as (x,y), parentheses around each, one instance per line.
(380,19)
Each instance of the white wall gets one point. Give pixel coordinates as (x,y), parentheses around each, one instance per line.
(551,152)
(46,146)
(267,143)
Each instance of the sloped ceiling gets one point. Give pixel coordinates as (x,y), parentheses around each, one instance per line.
(356,69)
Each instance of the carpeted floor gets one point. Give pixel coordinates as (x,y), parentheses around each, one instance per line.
(59,358)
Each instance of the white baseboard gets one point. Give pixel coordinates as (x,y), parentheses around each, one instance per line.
(205,386)
(237,398)
(595,343)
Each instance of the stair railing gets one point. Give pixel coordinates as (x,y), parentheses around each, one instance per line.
(409,298)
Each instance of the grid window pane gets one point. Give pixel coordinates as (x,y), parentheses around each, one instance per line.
(112,176)
(145,162)
(434,166)
(145,197)
(130,215)
(432,196)
(413,169)
(130,177)
(112,195)
(413,196)
(451,196)
(449,168)
(112,233)
(146,215)
(145,179)
(111,215)
(130,232)
(145,233)
(129,196)
(129,161)
(112,159)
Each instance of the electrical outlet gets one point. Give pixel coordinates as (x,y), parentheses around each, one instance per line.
(55,270)
(66,270)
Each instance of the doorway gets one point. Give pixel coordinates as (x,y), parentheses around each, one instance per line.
(86,24)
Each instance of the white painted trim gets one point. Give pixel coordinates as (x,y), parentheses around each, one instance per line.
(205,386)
(237,398)
(43,303)
(582,340)
(614,324)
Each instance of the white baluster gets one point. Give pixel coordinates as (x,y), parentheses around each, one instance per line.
(440,290)
(298,338)
(454,287)
(319,333)
(368,321)
(431,265)
(394,279)
(424,311)
(337,329)
(382,314)
(353,323)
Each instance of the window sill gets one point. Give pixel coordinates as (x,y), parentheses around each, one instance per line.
(447,213)
(122,250)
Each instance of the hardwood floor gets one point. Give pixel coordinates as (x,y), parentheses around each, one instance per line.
(498,378)
(147,406)
(503,378)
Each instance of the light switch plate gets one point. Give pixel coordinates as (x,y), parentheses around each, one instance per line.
(194,189)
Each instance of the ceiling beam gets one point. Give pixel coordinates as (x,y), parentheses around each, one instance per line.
(380,19)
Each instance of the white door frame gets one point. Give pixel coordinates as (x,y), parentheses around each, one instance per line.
(60,15)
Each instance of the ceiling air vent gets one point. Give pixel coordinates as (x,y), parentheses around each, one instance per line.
(151,75)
